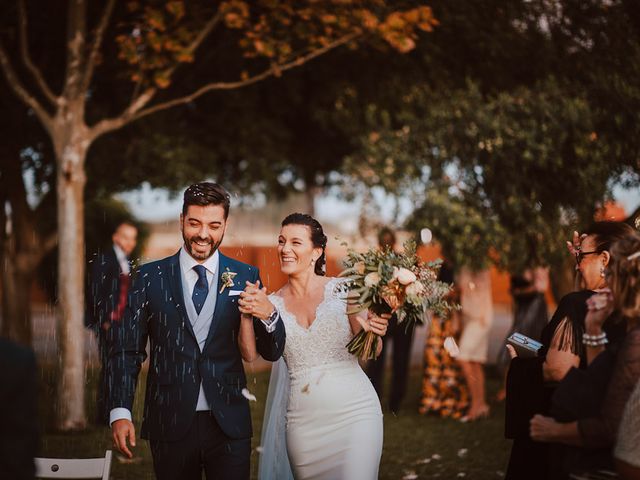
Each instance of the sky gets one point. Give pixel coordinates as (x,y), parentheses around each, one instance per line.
(156,205)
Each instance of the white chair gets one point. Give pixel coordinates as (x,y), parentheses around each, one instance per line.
(74,467)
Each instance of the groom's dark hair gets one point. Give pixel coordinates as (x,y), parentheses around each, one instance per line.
(206,193)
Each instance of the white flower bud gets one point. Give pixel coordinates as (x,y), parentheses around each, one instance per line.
(372,279)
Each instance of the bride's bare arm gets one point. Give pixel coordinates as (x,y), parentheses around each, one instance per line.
(247,339)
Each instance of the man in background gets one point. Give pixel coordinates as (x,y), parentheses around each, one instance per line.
(109,281)
(402,337)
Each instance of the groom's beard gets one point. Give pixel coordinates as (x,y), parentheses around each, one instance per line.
(188,245)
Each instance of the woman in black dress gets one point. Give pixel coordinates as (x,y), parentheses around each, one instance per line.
(531,382)
(588,406)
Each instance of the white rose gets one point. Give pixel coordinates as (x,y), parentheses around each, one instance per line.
(404,276)
(372,279)
(415,289)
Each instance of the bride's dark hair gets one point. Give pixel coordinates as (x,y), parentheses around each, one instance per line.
(318,238)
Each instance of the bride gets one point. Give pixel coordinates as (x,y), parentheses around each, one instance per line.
(323,418)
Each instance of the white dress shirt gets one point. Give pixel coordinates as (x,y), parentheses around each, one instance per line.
(125,267)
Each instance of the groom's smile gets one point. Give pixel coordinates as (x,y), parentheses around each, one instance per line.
(203,229)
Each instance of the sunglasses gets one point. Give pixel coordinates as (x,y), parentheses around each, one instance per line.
(580,255)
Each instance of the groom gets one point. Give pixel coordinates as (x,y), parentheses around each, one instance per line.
(195,415)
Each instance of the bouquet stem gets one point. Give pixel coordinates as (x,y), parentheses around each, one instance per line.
(364,345)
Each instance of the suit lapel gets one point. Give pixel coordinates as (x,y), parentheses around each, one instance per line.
(175,283)
(221,300)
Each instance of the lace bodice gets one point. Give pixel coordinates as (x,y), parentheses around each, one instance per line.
(325,341)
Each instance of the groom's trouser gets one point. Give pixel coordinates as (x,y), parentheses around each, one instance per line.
(204,447)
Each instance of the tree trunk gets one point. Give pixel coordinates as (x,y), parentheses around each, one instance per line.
(16,304)
(310,197)
(71,258)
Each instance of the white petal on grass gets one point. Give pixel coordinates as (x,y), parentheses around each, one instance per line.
(409,475)
(463,452)
(248,395)
(461,475)
(436,456)
(424,461)
(451,347)
(260,449)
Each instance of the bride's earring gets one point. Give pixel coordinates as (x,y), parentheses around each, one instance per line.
(602,271)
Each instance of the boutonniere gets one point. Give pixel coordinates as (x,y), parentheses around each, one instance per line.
(227,279)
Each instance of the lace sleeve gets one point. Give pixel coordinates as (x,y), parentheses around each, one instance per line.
(340,288)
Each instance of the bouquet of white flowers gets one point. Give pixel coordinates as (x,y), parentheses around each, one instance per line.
(385,281)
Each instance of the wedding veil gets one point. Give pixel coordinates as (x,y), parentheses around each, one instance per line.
(274,462)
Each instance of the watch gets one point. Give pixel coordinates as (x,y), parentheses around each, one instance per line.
(273,317)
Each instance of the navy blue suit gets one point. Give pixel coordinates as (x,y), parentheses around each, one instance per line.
(101,301)
(156,311)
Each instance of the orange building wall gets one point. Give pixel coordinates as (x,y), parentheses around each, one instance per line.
(266,259)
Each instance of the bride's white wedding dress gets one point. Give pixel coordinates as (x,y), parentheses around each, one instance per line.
(333,422)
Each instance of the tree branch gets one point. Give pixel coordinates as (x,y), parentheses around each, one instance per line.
(76,41)
(143,99)
(26,58)
(97,43)
(21,91)
(131,114)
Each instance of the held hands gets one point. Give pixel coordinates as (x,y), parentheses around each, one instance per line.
(254,301)
(120,431)
(374,323)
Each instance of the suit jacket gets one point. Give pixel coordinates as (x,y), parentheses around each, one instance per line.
(104,288)
(18,411)
(156,311)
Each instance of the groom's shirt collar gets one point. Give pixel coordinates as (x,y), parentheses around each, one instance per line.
(187,262)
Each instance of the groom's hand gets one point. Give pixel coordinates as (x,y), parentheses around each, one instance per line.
(120,430)
(254,301)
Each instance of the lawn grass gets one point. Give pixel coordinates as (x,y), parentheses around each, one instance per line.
(425,446)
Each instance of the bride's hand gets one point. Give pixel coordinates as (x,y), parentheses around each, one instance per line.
(255,302)
(377,324)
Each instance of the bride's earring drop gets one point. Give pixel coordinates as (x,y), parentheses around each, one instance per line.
(602,271)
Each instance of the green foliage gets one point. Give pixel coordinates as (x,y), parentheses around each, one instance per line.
(529,160)
(468,234)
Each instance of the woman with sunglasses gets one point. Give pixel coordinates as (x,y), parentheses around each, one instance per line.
(592,423)
(531,382)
